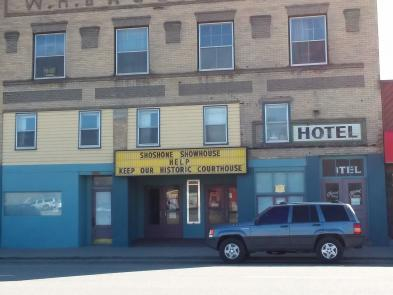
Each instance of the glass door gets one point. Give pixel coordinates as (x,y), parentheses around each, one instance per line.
(222,205)
(102,217)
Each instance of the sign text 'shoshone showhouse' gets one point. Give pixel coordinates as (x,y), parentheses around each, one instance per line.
(181,162)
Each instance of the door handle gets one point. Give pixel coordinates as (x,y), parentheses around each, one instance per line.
(284,226)
(316,224)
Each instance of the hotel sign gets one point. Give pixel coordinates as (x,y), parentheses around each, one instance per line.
(181,162)
(327,132)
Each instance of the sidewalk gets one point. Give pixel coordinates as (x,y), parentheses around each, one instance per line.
(160,252)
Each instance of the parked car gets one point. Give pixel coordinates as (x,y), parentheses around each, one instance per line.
(323,228)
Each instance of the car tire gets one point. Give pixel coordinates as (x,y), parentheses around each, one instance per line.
(232,250)
(329,250)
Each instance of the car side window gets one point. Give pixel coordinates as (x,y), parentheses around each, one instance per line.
(275,215)
(304,214)
(334,213)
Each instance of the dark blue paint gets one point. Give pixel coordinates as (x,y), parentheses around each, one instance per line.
(377,203)
(313,179)
(47,231)
(120,221)
(246,196)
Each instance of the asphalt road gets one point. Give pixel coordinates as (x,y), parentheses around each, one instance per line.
(273,276)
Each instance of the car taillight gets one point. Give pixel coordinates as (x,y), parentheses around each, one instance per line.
(211,233)
(357,229)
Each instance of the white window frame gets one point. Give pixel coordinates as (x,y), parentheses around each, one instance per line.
(35,131)
(147,50)
(199,47)
(80,130)
(159,127)
(290,38)
(194,182)
(266,123)
(35,55)
(205,142)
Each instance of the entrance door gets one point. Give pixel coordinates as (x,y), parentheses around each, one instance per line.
(163,213)
(102,217)
(221,205)
(350,191)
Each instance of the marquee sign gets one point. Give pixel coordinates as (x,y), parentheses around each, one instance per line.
(327,132)
(181,162)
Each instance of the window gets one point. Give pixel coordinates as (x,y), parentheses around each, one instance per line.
(26,131)
(308,40)
(132,51)
(216,46)
(276,123)
(275,215)
(49,60)
(304,214)
(89,129)
(148,127)
(193,202)
(216,126)
(33,204)
(273,188)
(334,213)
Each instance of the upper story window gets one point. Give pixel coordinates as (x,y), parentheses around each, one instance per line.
(132,51)
(308,40)
(276,123)
(90,129)
(216,124)
(148,127)
(49,56)
(26,131)
(216,46)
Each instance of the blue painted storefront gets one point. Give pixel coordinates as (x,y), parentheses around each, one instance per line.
(73,227)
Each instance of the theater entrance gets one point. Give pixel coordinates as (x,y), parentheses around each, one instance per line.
(163,218)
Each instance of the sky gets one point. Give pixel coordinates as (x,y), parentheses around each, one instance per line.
(385,15)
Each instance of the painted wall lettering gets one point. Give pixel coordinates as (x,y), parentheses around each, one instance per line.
(30,3)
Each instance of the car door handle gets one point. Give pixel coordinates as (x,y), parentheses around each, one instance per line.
(316,224)
(284,226)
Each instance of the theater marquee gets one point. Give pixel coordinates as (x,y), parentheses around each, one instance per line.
(181,162)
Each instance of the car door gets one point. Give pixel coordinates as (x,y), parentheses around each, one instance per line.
(271,230)
(304,227)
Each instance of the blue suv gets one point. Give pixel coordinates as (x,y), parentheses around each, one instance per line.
(323,228)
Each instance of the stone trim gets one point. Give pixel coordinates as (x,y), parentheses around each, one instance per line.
(11,39)
(307,9)
(316,83)
(89,37)
(130,92)
(172,32)
(352,20)
(215,88)
(215,16)
(49,27)
(159,5)
(120,129)
(42,96)
(305,69)
(138,21)
(261,26)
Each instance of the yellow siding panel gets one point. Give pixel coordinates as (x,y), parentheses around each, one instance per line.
(182,126)
(57,140)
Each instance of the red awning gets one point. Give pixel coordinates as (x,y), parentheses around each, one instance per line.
(388,139)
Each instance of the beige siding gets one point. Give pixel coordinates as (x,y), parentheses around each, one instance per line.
(57,140)
(182,126)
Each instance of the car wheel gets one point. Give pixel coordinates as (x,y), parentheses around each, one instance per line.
(329,250)
(232,251)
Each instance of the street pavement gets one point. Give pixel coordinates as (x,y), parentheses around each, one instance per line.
(276,275)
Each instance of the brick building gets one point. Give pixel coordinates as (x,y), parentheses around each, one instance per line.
(125,120)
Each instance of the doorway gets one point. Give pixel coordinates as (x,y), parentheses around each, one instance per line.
(222,206)
(350,191)
(102,217)
(163,214)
